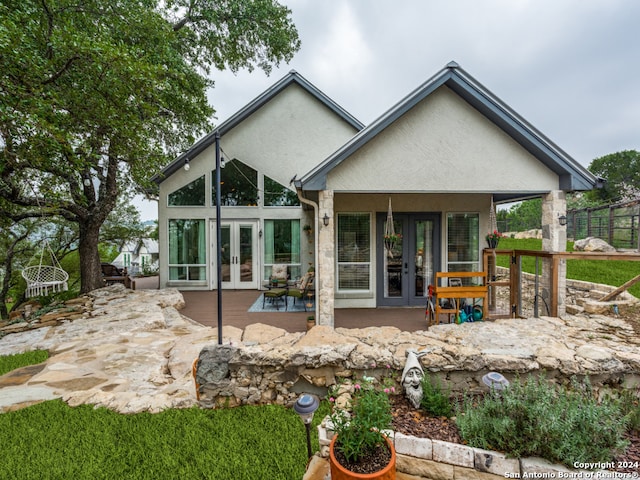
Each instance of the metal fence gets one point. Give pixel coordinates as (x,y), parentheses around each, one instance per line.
(618,225)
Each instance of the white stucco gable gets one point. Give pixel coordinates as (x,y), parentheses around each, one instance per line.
(442,144)
(450,134)
(287,136)
(287,130)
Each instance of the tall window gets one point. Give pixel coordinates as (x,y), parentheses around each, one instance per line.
(239,185)
(282,245)
(354,251)
(463,247)
(191,194)
(187,250)
(277,195)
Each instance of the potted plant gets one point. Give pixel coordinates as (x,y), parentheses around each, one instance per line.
(359,449)
(390,240)
(493,238)
(311,322)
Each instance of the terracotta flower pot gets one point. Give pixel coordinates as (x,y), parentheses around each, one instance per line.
(338,472)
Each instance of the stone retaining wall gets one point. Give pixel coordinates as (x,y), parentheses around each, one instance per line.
(264,364)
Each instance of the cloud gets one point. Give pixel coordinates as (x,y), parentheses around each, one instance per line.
(570,67)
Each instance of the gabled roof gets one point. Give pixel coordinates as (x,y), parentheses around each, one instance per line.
(292,77)
(572,175)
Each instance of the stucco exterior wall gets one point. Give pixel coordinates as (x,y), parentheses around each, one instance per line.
(442,145)
(287,136)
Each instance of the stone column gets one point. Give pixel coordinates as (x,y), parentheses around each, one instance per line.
(554,239)
(325,270)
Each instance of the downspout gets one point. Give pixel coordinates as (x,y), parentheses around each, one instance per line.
(315,207)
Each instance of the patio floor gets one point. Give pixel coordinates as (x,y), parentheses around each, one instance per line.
(203,307)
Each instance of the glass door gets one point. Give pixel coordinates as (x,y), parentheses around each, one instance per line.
(239,266)
(406,268)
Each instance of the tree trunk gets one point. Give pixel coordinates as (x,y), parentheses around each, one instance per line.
(90,270)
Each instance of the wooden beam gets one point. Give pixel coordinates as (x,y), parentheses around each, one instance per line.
(620,289)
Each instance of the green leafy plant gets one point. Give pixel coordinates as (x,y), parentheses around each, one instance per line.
(57,298)
(630,406)
(361,431)
(536,418)
(435,400)
(393,238)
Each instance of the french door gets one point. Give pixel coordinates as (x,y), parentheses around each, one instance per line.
(239,254)
(405,271)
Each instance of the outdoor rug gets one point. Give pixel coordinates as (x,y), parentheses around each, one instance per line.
(270,306)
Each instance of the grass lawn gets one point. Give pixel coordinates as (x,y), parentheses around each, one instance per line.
(54,441)
(597,271)
(11,362)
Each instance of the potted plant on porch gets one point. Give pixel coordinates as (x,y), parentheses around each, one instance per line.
(360,449)
(493,238)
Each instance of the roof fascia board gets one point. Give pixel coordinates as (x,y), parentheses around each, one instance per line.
(252,107)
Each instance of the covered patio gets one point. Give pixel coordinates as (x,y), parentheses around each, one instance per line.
(202,306)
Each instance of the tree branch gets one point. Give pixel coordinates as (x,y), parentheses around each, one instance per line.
(59,73)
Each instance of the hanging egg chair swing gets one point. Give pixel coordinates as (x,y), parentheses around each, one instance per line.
(43,279)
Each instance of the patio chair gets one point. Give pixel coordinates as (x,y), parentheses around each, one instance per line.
(304,290)
(279,275)
(112,274)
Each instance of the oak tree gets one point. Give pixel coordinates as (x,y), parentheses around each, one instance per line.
(621,170)
(96,96)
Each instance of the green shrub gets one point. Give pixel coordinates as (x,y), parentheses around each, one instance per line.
(434,400)
(630,406)
(535,418)
(56,298)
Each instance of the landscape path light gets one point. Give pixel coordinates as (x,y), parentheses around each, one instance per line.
(305,407)
(495,381)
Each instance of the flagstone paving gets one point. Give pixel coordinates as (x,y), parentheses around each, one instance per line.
(132,351)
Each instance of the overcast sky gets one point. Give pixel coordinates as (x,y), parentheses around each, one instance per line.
(569,67)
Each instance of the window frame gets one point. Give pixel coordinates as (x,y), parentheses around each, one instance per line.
(204,193)
(188,266)
(473,246)
(294,269)
(356,264)
(229,165)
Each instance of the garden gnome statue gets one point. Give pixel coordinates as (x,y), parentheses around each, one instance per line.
(412,377)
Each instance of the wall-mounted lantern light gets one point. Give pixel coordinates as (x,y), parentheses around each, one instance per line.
(186,164)
(562,220)
(325,219)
